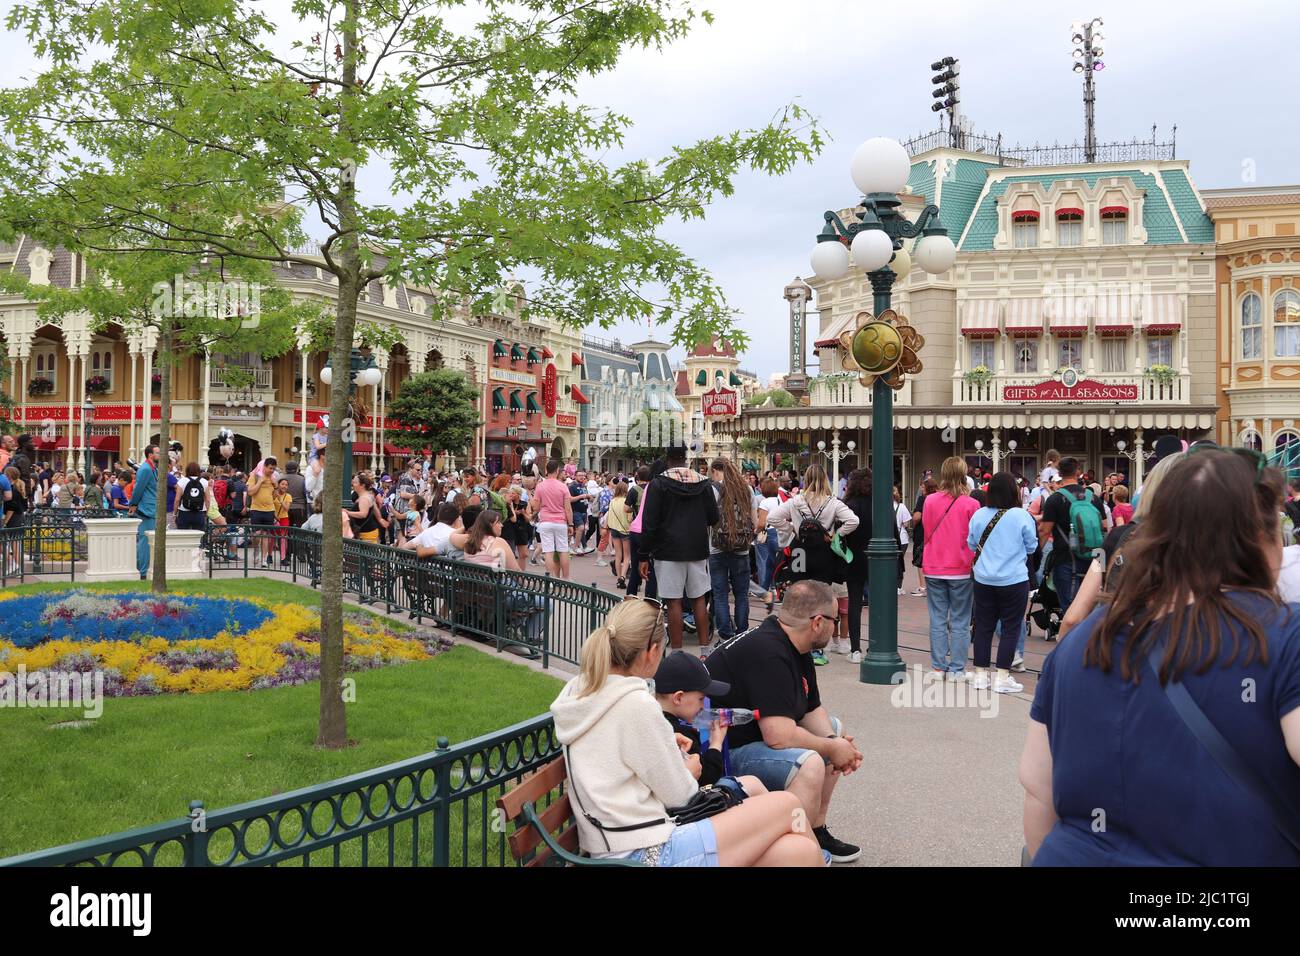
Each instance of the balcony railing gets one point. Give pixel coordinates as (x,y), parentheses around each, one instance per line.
(1150,391)
(217,376)
(850,393)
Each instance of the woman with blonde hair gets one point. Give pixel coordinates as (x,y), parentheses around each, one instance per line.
(816,502)
(626,766)
(946,564)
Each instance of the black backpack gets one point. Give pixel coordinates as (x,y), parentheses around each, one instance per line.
(192,498)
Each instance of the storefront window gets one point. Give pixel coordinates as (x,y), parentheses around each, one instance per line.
(1026,466)
(1026,350)
(1070,353)
(1114,354)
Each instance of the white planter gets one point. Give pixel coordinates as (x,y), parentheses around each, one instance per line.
(110,548)
(184,557)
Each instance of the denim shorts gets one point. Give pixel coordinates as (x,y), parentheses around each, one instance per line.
(775,768)
(694,844)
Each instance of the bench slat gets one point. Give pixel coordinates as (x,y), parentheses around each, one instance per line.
(526,839)
(546,779)
(568,839)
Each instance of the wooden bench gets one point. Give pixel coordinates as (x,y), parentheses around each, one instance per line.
(551,837)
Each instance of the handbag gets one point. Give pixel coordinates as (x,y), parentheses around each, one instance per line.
(840,548)
(1224,754)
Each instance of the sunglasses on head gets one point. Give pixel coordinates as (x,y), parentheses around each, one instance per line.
(1256,458)
(658,630)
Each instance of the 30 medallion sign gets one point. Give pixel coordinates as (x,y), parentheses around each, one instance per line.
(1085,390)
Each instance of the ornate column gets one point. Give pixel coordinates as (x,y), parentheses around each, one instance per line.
(133,354)
(996,451)
(146,413)
(1090,355)
(835,460)
(1139,460)
(72,399)
(383,401)
(302,408)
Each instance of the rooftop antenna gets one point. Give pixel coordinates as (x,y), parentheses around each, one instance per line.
(1087,60)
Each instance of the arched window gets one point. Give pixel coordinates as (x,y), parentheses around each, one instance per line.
(1286,324)
(1024,228)
(1252,327)
(1069,227)
(94,364)
(1114,225)
(1251,439)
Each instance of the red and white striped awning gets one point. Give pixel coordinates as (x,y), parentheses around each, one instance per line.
(1025,316)
(1162,313)
(980,318)
(1114,312)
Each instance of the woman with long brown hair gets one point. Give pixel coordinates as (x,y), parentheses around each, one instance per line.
(1172,716)
(729,543)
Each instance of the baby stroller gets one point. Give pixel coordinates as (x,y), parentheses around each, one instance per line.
(1047,613)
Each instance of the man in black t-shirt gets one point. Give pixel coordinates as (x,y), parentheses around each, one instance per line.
(1067,568)
(794,744)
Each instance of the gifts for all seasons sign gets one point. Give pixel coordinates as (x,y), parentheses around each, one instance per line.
(1070,390)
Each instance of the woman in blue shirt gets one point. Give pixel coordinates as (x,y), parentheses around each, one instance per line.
(1001,578)
(1113,774)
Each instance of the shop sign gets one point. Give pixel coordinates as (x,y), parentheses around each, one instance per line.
(566,421)
(511,376)
(1082,390)
(550,390)
(719,403)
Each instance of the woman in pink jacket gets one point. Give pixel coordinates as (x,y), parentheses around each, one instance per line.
(946,563)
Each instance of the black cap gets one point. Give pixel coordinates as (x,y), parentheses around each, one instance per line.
(1165,446)
(682,671)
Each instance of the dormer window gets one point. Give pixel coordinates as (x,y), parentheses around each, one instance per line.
(1114,225)
(1069,227)
(1024,229)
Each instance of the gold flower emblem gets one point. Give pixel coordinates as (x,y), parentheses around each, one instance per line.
(884,347)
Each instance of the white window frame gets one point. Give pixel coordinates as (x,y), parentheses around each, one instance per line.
(1252,326)
(982,344)
(1024,234)
(1160,344)
(1069,232)
(1109,346)
(1291,327)
(1114,229)
(1025,366)
(1075,343)
(50,355)
(105,357)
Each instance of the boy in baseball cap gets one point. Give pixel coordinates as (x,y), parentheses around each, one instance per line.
(681,684)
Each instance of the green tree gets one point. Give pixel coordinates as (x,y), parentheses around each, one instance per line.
(474,120)
(779,396)
(649,433)
(438,410)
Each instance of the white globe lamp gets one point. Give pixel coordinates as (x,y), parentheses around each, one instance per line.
(327,375)
(872,249)
(830,260)
(901,264)
(936,254)
(880,165)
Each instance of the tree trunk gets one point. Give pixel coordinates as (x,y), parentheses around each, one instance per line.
(333,730)
(164,460)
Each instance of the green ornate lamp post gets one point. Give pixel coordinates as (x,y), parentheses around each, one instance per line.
(364,372)
(885,348)
(87,420)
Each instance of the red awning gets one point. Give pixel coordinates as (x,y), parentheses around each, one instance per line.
(51,444)
(1024,215)
(547,352)
(1025,316)
(1114,209)
(578,396)
(390,450)
(981,318)
(1069,211)
(577,359)
(105,443)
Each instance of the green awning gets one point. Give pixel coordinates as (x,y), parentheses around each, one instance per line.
(533,407)
(515,404)
(498,399)
(498,348)
(702,377)
(516,352)
(736,379)
(533,356)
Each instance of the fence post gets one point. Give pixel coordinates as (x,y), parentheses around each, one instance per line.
(591,603)
(452,609)
(248,543)
(442,809)
(196,845)
(498,608)
(546,622)
(293,544)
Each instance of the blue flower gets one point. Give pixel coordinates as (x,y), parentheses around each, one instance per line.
(97,616)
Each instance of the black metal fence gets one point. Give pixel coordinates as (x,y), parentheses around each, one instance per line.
(438,809)
(544,616)
(49,543)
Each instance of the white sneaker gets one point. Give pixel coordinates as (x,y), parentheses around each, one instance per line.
(900,592)
(1018,665)
(840,647)
(601,563)
(956,677)
(855,657)
(979,681)
(1008,685)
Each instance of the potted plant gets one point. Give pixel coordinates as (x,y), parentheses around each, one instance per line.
(97,385)
(1163,374)
(155,383)
(40,386)
(979,375)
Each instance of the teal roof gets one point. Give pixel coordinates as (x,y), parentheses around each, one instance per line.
(1157,217)
(959,192)
(1196,223)
(921,179)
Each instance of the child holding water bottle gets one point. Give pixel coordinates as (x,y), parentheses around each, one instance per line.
(682,682)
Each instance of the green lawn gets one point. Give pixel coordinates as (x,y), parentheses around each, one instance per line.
(146,758)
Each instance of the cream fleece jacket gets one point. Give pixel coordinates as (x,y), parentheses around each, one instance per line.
(623,761)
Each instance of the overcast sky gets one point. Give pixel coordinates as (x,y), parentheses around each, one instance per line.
(1223,72)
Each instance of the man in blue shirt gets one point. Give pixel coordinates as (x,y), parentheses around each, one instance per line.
(144,505)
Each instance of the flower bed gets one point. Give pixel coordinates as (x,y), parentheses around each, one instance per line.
(188,644)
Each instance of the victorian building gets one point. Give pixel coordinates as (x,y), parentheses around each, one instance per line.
(710,367)
(621,382)
(1080,315)
(1258,282)
(273,405)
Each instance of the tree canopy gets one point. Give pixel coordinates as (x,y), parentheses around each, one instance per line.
(437,410)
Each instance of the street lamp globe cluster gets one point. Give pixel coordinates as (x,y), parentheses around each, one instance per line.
(873,242)
(365,373)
